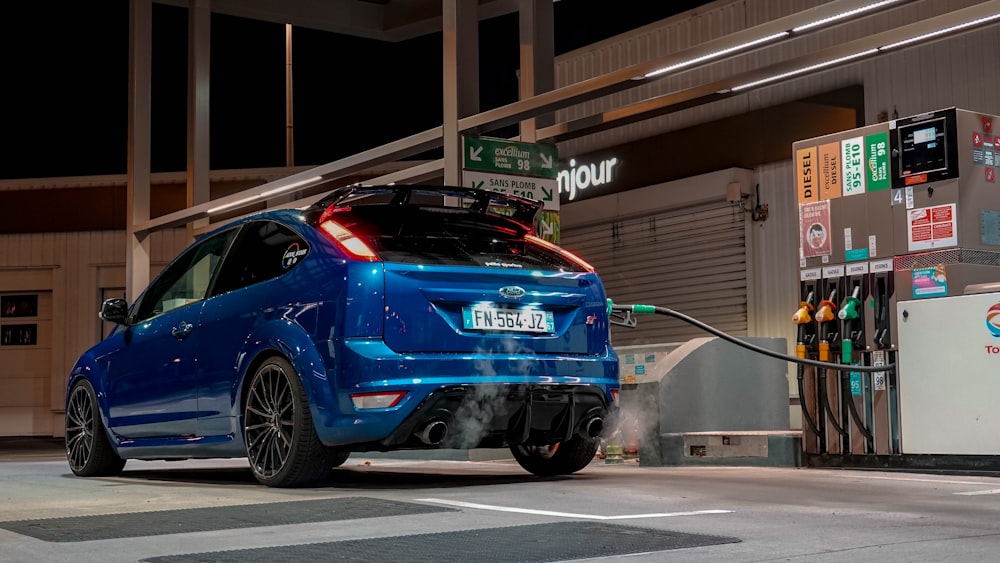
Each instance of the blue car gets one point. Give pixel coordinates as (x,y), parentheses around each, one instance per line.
(377,319)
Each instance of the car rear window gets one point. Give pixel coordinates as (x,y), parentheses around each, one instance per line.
(416,234)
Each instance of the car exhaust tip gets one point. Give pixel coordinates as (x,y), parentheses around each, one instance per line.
(594,427)
(434,433)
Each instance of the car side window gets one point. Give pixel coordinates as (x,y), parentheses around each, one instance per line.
(263,251)
(187,280)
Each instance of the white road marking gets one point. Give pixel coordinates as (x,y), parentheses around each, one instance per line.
(986,492)
(461,504)
(857,476)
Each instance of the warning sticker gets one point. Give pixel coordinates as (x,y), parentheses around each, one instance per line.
(814,229)
(978,151)
(931,227)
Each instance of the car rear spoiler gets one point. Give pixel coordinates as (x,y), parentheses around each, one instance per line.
(519,209)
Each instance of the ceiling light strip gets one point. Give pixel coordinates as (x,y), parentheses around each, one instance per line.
(717,54)
(232,204)
(766,39)
(803,70)
(894,45)
(278,190)
(292,186)
(944,31)
(843,15)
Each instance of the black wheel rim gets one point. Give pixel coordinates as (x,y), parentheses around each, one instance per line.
(269,421)
(80,426)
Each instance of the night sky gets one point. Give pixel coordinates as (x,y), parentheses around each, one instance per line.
(65,96)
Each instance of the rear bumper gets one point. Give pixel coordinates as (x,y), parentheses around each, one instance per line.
(500,415)
(483,399)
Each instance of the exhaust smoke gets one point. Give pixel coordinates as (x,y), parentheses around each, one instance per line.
(482,402)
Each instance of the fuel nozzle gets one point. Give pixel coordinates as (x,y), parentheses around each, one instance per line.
(804,314)
(851,306)
(825,313)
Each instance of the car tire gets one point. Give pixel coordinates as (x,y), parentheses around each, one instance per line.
(338,457)
(278,431)
(562,459)
(88,450)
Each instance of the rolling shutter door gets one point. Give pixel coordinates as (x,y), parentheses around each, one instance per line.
(691,260)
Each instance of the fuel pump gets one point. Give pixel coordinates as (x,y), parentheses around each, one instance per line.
(853,387)
(882,351)
(805,347)
(828,333)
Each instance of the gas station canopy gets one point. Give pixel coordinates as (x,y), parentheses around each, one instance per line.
(387,20)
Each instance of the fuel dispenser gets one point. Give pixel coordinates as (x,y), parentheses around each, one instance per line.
(856,387)
(894,216)
(813,439)
(828,383)
(946,220)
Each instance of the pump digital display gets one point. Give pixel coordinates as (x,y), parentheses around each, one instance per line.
(924,148)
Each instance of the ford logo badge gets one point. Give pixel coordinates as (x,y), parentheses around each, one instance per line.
(512,292)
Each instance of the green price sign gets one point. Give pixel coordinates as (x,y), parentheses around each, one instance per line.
(877,161)
(510,157)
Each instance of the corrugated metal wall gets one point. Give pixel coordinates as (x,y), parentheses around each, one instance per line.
(691,259)
(959,71)
(75,268)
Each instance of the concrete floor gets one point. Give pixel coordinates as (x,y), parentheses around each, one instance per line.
(778,514)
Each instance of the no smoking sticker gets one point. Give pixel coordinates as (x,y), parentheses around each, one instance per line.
(990,175)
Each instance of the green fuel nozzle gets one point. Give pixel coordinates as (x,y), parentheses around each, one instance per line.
(634,309)
(849,310)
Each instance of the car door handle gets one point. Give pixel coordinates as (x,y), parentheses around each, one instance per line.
(182,330)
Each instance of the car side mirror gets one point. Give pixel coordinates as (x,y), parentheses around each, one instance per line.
(115,311)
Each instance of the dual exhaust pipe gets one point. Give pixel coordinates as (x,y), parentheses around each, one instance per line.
(435,431)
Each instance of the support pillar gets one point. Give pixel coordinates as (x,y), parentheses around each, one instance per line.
(537,52)
(460,24)
(139,107)
(199,51)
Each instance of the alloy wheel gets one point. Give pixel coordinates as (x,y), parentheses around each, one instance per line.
(80,419)
(269,421)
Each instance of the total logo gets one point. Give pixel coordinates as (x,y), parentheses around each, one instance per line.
(993,320)
(993,325)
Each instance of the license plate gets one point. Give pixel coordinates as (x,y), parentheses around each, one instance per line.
(517,320)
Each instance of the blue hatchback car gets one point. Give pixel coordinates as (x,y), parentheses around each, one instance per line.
(378,319)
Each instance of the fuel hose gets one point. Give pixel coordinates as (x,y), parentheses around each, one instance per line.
(654,310)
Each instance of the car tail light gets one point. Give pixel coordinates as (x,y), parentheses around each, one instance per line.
(614,397)
(377,400)
(562,251)
(348,241)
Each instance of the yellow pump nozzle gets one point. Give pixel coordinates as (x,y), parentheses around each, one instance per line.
(803,316)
